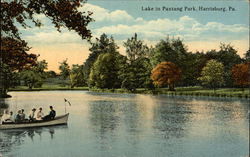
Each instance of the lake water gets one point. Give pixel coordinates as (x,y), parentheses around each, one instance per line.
(130,125)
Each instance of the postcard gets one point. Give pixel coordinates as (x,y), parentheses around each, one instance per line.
(126,78)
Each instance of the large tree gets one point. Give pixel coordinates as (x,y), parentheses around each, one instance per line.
(241,74)
(13,58)
(77,76)
(102,45)
(135,73)
(104,72)
(166,73)
(64,69)
(212,74)
(227,55)
(22,13)
(175,51)
(62,13)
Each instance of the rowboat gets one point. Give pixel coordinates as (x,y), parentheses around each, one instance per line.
(59,120)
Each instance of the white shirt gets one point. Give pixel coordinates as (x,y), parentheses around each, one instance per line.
(39,115)
(5,117)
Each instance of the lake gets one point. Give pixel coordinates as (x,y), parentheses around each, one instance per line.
(130,125)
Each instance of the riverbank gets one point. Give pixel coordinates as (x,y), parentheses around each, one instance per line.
(191,91)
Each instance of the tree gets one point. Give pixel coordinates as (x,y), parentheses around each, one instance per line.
(64,69)
(104,72)
(175,51)
(31,78)
(102,45)
(17,13)
(13,58)
(137,69)
(166,73)
(247,56)
(77,76)
(241,74)
(62,13)
(6,79)
(135,48)
(14,54)
(227,55)
(212,74)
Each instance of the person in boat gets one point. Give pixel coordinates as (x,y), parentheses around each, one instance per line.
(18,117)
(22,115)
(51,115)
(32,115)
(6,117)
(12,119)
(40,114)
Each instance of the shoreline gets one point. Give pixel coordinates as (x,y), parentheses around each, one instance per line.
(187,91)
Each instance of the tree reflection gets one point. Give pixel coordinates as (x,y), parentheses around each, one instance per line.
(103,116)
(11,139)
(170,119)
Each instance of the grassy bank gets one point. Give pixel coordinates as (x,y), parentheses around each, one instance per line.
(47,88)
(191,91)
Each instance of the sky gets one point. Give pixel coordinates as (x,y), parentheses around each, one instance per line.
(193,21)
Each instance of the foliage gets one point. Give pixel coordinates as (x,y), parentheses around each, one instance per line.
(212,74)
(241,74)
(175,51)
(62,13)
(104,73)
(136,69)
(135,48)
(247,56)
(6,79)
(31,78)
(228,56)
(166,73)
(102,45)
(14,54)
(64,69)
(77,76)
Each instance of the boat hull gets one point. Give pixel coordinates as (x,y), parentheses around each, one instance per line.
(57,121)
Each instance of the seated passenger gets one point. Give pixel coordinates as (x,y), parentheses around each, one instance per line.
(18,118)
(6,117)
(22,115)
(51,115)
(39,115)
(32,115)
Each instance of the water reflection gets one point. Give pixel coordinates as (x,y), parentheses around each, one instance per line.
(11,139)
(170,118)
(104,124)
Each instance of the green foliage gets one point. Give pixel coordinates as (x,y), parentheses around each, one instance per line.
(228,56)
(104,73)
(77,76)
(173,50)
(135,48)
(212,74)
(136,69)
(31,78)
(64,69)
(102,45)
(7,76)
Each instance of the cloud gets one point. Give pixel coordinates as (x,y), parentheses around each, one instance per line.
(101,14)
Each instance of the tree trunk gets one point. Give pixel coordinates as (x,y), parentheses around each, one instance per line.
(171,87)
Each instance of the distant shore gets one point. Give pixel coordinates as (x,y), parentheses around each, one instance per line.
(190,91)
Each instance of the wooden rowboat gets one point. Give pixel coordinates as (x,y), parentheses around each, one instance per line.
(63,119)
